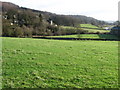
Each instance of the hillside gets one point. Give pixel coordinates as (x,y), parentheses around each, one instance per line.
(25,22)
(6,6)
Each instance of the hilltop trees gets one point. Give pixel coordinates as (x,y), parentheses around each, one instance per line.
(73,20)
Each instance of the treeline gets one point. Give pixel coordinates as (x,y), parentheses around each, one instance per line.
(24,31)
(73,20)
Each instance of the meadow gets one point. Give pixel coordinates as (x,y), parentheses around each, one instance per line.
(42,63)
(88,27)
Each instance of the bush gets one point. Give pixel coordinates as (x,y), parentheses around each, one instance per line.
(27,31)
(18,32)
(97,32)
(49,32)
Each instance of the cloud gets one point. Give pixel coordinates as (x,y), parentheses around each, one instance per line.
(100,9)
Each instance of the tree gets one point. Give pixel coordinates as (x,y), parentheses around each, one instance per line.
(27,31)
(18,32)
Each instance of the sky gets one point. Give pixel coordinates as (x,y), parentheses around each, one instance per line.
(106,10)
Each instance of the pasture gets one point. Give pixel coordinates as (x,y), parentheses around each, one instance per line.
(41,63)
(88,27)
(93,29)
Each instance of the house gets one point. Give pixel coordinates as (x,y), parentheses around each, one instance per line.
(50,21)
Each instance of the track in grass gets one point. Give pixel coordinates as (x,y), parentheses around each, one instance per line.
(36,63)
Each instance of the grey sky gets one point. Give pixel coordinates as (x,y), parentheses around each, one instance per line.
(100,9)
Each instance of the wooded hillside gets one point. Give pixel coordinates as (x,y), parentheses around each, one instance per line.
(25,22)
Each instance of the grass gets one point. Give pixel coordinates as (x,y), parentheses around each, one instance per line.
(95,36)
(90,28)
(40,63)
(68,27)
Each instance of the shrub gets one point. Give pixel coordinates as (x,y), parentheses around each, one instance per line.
(18,32)
(97,32)
(27,31)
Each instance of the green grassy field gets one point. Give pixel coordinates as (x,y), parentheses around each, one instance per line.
(91,36)
(40,63)
(90,28)
(82,25)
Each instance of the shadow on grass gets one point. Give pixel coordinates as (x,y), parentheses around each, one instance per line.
(101,37)
(107,36)
(75,39)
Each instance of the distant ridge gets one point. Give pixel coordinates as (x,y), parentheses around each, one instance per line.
(111,21)
(56,17)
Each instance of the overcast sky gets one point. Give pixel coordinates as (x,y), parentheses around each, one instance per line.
(100,9)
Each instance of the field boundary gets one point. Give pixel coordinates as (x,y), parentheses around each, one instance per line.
(94,28)
(77,39)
